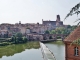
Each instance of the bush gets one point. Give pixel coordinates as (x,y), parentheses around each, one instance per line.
(58,37)
(50,37)
(24,39)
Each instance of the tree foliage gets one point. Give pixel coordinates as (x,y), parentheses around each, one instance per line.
(18,34)
(18,38)
(76,41)
(62,30)
(74,10)
(47,32)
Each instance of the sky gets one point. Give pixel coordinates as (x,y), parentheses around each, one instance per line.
(33,11)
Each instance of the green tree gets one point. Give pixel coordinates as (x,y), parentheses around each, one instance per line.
(17,38)
(53,32)
(60,30)
(47,32)
(18,34)
(50,37)
(13,39)
(75,10)
(69,26)
(24,39)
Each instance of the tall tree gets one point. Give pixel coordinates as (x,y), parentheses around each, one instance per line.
(74,10)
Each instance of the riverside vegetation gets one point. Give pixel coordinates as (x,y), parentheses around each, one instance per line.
(10,50)
(61,30)
(18,38)
(15,39)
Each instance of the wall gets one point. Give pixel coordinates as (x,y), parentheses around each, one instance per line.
(69,52)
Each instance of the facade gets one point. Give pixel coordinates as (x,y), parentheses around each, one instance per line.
(3,34)
(31,27)
(72,51)
(34,36)
(55,24)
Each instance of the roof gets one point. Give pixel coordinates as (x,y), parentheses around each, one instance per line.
(49,22)
(74,35)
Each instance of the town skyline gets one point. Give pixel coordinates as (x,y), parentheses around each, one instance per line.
(33,11)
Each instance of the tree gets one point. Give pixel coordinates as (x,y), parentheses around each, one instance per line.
(13,39)
(50,37)
(18,34)
(69,26)
(74,10)
(24,39)
(53,32)
(17,38)
(47,32)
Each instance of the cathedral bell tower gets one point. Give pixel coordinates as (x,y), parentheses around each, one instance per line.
(58,20)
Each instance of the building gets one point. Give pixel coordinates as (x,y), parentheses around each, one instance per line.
(34,36)
(72,51)
(55,24)
(3,34)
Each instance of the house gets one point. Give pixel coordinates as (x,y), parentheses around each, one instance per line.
(34,36)
(3,34)
(72,51)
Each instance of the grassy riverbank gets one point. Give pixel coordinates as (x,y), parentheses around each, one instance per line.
(12,40)
(10,50)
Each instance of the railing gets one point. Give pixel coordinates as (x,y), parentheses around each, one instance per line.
(47,54)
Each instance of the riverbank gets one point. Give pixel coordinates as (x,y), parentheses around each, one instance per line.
(10,50)
(12,40)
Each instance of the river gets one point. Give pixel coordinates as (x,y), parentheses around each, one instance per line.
(30,51)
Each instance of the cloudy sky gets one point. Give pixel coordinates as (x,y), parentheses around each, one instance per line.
(33,11)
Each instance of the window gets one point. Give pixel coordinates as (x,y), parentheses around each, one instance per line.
(76,51)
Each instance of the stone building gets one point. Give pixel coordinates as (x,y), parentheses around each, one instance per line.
(34,36)
(55,24)
(72,51)
(3,34)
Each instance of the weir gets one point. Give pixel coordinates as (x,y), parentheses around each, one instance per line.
(47,54)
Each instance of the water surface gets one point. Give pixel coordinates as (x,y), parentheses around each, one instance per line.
(30,51)
(58,50)
(27,51)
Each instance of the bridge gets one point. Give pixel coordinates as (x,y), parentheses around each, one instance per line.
(53,36)
(47,54)
(50,40)
(44,37)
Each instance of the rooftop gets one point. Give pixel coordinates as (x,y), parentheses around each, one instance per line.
(74,35)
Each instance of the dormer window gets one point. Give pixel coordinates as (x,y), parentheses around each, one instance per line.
(76,51)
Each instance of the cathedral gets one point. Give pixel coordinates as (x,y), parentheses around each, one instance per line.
(56,23)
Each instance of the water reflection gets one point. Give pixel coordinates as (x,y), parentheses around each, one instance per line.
(58,50)
(28,54)
(13,49)
(31,51)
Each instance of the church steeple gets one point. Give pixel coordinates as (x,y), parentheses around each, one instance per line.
(58,18)
(19,22)
(42,21)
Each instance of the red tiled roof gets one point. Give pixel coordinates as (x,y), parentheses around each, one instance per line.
(74,35)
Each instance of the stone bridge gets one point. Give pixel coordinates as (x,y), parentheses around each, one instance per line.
(45,36)
(54,36)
